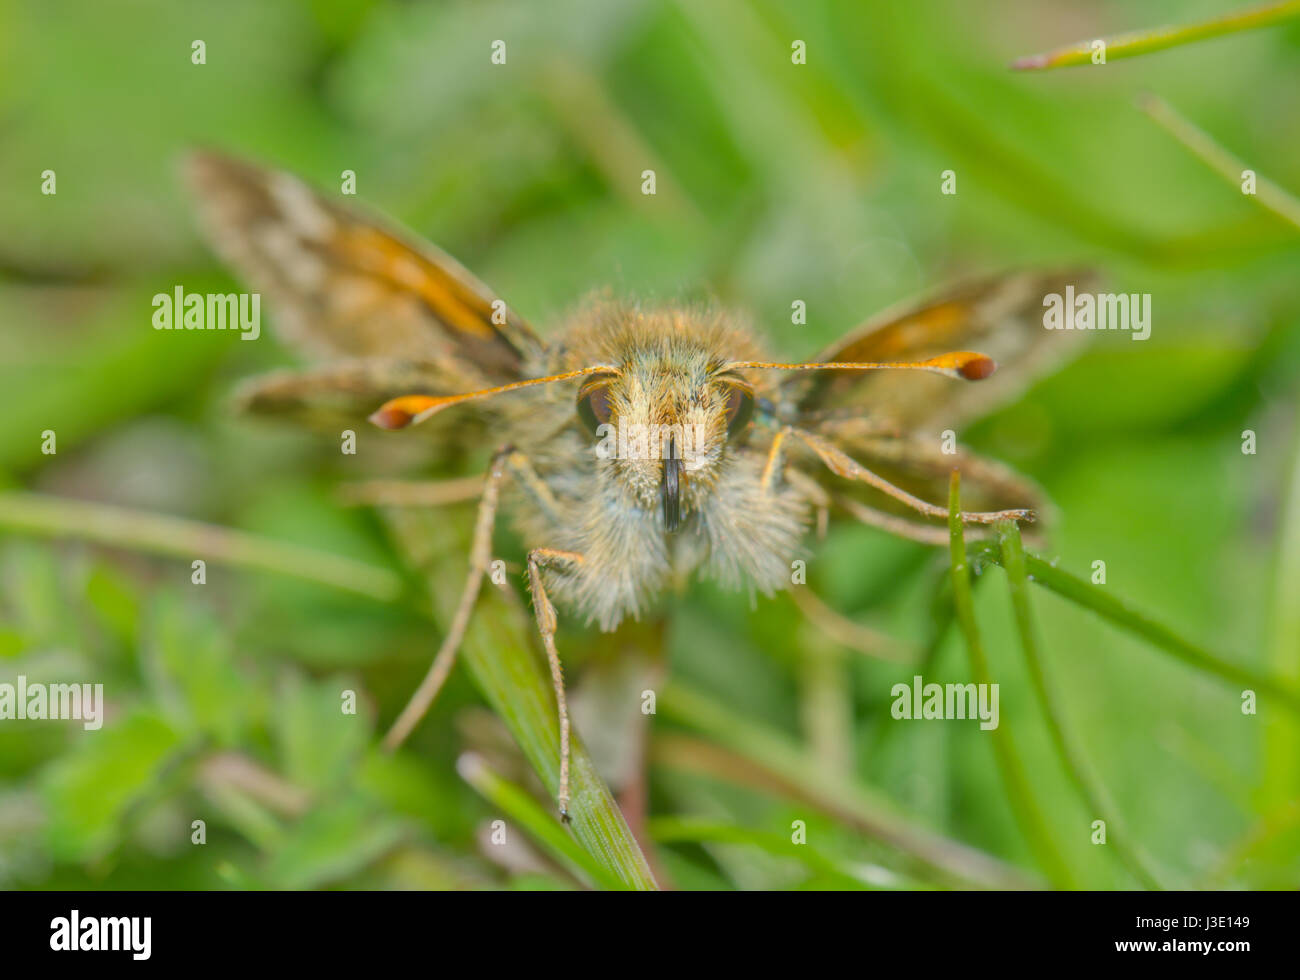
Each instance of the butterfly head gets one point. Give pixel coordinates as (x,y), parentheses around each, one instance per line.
(662,423)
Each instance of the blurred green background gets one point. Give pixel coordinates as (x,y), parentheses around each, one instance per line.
(775,182)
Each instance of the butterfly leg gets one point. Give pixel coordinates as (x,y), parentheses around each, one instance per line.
(811,489)
(479,558)
(900,526)
(538,491)
(844,465)
(816,493)
(544,611)
(775,460)
(438,493)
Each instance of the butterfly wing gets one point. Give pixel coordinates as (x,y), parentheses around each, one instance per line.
(340,394)
(999,316)
(890,421)
(344,284)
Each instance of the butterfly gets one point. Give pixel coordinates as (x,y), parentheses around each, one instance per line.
(633,444)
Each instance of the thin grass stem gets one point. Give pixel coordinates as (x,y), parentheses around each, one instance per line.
(120,527)
(1267,194)
(1146,41)
(1014,778)
(1125,615)
(1090,789)
(751,754)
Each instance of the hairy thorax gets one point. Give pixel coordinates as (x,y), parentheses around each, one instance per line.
(600,494)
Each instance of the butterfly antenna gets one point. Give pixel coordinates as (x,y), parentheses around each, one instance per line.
(956,364)
(398,413)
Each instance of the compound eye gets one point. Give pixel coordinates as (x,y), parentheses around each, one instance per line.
(593,402)
(740,407)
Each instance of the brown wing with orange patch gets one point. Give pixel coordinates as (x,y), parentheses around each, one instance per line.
(1000,317)
(341,284)
(339,394)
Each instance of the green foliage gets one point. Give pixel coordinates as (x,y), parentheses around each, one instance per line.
(89,791)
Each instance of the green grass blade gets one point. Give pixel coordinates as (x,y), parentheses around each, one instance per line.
(793,773)
(1093,793)
(1268,195)
(519,806)
(1124,614)
(510,677)
(1158,38)
(1281,783)
(1014,778)
(119,527)
(505,660)
(835,870)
